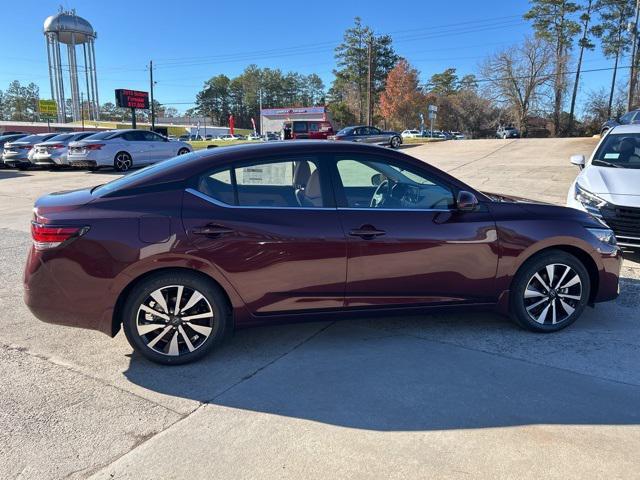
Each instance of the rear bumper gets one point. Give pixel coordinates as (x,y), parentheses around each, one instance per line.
(50,303)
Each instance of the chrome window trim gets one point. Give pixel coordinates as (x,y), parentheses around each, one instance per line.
(218,203)
(397,209)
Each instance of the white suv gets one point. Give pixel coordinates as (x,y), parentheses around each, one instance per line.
(123,149)
(608,185)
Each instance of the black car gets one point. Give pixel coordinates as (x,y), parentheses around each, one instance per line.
(366,134)
(628,118)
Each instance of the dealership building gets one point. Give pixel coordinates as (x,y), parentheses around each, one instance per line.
(272,119)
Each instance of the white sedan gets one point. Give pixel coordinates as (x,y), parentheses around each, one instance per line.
(411,134)
(608,185)
(123,149)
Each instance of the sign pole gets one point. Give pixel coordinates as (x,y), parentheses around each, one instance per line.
(48,124)
(133,118)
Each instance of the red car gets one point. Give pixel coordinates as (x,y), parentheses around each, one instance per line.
(307,130)
(182,252)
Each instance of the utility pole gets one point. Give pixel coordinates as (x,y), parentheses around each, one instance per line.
(633,80)
(370,82)
(260,110)
(82,109)
(153,107)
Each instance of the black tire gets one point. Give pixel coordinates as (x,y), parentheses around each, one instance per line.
(93,169)
(562,306)
(603,131)
(122,162)
(183,151)
(395,142)
(23,166)
(220,324)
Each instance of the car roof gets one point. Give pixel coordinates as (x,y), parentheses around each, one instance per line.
(626,129)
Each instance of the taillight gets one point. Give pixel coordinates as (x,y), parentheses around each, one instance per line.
(57,145)
(48,236)
(25,147)
(94,146)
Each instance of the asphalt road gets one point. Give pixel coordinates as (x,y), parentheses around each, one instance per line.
(431,396)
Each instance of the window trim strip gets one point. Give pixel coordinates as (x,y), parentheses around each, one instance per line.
(218,203)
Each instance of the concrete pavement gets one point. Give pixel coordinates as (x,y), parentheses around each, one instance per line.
(446,395)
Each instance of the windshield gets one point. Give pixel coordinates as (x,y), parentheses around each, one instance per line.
(619,151)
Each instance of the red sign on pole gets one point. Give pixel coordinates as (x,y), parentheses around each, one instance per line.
(132,99)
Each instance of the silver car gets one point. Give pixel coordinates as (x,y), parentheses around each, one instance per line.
(17,153)
(124,149)
(53,152)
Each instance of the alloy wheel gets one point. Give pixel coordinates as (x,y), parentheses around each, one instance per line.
(552,294)
(123,162)
(175,320)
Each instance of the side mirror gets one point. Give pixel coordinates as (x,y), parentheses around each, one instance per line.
(466,201)
(577,160)
(376,179)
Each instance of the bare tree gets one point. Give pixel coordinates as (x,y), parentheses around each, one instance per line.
(517,77)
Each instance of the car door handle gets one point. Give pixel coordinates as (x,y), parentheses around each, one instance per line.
(367,232)
(211,230)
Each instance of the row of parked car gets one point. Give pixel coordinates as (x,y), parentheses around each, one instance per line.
(120,149)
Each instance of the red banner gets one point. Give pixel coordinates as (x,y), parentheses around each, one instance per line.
(232,124)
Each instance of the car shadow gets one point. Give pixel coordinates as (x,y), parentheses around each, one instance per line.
(428,372)
(7,173)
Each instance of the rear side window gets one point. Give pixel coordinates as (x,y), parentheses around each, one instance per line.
(290,183)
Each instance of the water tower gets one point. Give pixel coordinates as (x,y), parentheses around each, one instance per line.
(73,31)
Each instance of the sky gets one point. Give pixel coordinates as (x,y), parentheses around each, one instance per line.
(191,41)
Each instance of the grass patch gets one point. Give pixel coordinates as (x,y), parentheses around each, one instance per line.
(199,145)
(423,140)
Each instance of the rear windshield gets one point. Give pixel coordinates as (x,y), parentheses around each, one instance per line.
(619,151)
(345,131)
(101,136)
(31,139)
(139,175)
(61,138)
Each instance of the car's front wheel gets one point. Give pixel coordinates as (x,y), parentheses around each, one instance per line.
(183,151)
(122,162)
(175,318)
(550,292)
(395,142)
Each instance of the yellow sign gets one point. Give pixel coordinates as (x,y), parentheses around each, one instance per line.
(48,107)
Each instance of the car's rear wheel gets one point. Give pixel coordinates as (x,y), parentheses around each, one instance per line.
(122,162)
(395,142)
(175,318)
(550,292)
(183,151)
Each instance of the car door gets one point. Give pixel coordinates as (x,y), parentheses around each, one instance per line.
(376,136)
(271,227)
(415,249)
(136,145)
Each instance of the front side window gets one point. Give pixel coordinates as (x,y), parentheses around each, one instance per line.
(291,183)
(619,151)
(376,183)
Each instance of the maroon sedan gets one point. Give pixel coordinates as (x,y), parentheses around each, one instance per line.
(182,252)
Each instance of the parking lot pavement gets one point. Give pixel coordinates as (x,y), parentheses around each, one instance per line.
(445,395)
